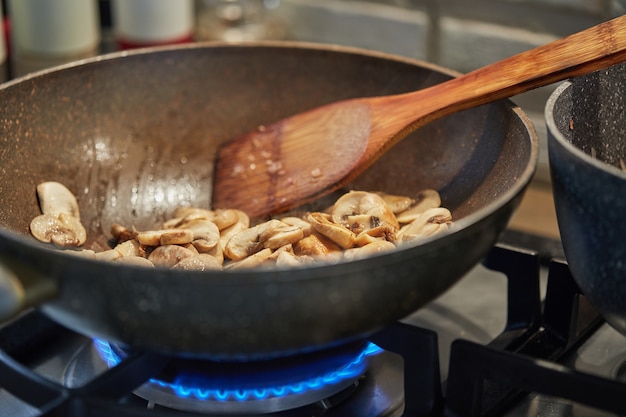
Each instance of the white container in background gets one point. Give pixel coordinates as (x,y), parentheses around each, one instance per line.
(50,32)
(139,23)
(238,20)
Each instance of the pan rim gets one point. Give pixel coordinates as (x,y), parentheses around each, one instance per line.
(259,274)
(302,45)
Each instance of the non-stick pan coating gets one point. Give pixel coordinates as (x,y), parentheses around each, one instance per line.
(133,135)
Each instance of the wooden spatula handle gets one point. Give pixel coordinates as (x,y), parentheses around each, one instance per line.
(590,50)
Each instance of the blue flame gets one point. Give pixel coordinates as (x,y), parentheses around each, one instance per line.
(185,387)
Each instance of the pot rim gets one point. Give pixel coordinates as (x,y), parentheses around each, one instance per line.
(556,135)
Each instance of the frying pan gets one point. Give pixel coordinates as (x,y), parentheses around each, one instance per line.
(586,120)
(134,134)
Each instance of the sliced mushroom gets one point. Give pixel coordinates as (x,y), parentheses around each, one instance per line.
(205,230)
(358,224)
(225,218)
(372,248)
(108,255)
(428,223)
(187,214)
(122,234)
(385,232)
(242,224)
(310,246)
(425,199)
(288,259)
(134,260)
(200,262)
(56,198)
(129,248)
(173,223)
(192,248)
(62,229)
(332,246)
(428,230)
(250,241)
(83,253)
(193,213)
(203,246)
(165,237)
(177,237)
(337,233)
(360,210)
(169,255)
(218,253)
(150,237)
(365,238)
(297,221)
(397,203)
(281,235)
(256,259)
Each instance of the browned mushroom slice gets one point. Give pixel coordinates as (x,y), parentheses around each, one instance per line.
(193,213)
(83,253)
(122,234)
(427,224)
(129,248)
(333,231)
(200,262)
(55,198)
(297,221)
(310,246)
(289,259)
(165,237)
(242,224)
(62,229)
(224,218)
(249,241)
(397,203)
(256,259)
(372,248)
(169,255)
(360,210)
(134,260)
(281,235)
(205,230)
(108,255)
(425,199)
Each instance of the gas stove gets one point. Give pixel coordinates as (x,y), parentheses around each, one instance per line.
(513,338)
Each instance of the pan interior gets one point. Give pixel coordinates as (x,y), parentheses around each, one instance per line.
(135,136)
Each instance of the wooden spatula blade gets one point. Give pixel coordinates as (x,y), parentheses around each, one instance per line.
(294,157)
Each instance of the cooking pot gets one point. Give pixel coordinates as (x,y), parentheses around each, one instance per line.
(133,135)
(586,120)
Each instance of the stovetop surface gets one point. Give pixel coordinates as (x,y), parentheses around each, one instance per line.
(475,310)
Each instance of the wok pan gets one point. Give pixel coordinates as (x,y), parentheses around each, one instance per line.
(586,120)
(134,134)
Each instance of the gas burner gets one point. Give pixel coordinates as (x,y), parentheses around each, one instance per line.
(555,356)
(251,387)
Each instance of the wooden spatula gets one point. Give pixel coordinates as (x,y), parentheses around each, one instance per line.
(305,156)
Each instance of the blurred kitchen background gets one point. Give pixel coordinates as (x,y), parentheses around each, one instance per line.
(457,34)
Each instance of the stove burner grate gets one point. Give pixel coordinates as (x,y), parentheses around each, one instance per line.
(482,380)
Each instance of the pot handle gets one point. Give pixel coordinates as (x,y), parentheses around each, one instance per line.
(22,287)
